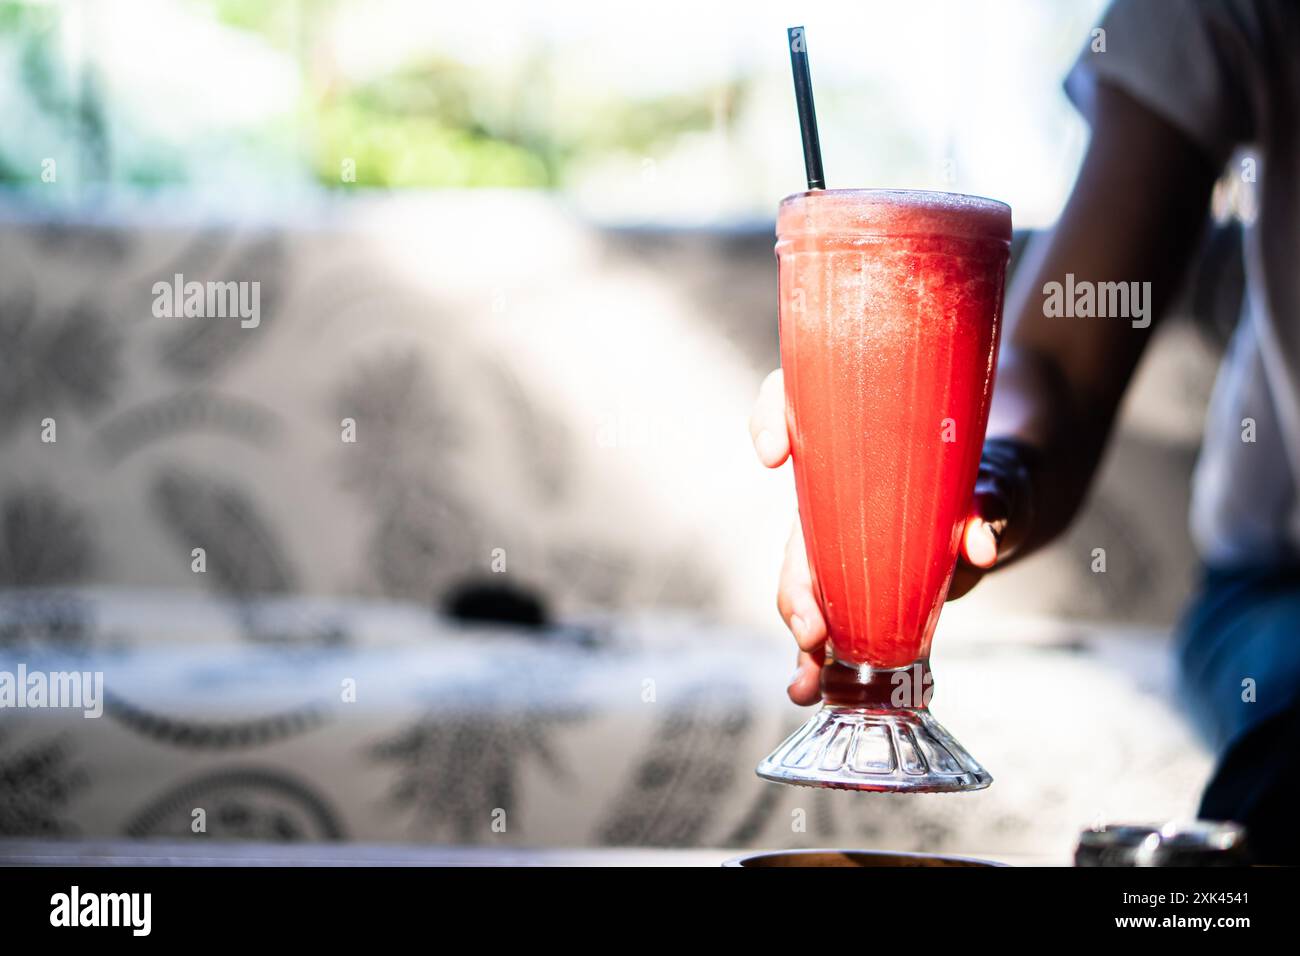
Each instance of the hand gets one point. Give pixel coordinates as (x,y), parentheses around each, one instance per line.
(990,534)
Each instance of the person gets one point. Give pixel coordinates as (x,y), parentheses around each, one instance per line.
(1170,91)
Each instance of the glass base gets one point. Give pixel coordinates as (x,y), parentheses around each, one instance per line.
(860,740)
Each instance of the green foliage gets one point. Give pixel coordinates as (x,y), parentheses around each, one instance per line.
(431,123)
(397,151)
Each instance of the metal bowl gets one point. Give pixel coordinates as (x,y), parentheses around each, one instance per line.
(852,858)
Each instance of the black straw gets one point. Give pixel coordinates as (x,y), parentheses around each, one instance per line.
(812,147)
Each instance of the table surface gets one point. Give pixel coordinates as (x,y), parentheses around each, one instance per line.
(205,853)
(173,853)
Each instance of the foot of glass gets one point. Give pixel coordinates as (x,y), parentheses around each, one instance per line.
(875,733)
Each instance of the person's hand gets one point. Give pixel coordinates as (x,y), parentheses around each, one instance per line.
(990,534)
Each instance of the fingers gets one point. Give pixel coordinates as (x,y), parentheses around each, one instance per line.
(795,599)
(980,539)
(979,543)
(805,686)
(767,422)
(799,610)
(983,539)
(794,593)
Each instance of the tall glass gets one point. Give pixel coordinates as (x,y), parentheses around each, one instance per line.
(890,308)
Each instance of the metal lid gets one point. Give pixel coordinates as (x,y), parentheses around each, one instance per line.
(1114,845)
(1198,843)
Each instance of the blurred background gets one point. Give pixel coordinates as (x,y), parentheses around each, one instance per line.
(674,113)
(526,251)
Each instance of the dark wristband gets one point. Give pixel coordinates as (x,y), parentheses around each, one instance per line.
(1005,483)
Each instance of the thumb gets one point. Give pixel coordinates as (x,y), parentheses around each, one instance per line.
(979,543)
(1001,511)
(981,538)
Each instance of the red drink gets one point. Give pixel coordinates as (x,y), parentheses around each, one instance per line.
(890,306)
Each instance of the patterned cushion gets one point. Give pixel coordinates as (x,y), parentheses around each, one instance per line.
(378,721)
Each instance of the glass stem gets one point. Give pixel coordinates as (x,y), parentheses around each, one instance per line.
(878,688)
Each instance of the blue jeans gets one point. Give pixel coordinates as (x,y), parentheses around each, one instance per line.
(1239,676)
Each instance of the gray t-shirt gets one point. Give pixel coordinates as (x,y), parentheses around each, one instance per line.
(1227,73)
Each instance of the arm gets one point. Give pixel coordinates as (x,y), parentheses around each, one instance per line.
(1135,214)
